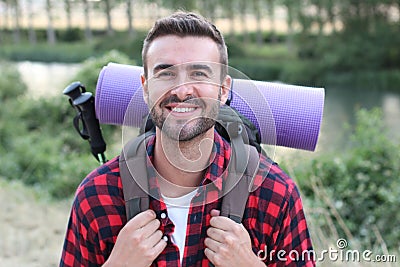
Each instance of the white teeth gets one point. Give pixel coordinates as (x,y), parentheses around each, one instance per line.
(183,110)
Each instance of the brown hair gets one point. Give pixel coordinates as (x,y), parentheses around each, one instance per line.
(186,24)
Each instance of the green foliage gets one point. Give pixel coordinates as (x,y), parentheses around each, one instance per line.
(38,144)
(41,147)
(262,69)
(122,42)
(43,52)
(70,35)
(384,80)
(362,182)
(11,85)
(91,67)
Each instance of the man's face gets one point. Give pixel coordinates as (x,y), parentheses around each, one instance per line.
(184,89)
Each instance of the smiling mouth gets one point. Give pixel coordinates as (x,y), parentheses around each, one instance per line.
(182,110)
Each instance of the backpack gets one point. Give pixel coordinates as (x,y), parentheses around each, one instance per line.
(243,165)
(245,141)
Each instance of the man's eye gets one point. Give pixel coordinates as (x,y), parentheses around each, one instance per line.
(199,74)
(165,74)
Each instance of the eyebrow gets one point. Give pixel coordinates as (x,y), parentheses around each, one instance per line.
(200,66)
(161,67)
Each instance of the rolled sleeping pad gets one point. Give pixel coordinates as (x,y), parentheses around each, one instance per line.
(286,115)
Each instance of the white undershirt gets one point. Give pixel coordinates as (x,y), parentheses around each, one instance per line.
(178,210)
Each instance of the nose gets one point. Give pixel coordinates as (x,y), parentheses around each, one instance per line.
(183,90)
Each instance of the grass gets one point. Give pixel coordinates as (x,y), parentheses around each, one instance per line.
(43,52)
(269,51)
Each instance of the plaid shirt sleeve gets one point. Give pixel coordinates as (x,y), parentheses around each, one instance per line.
(275,213)
(97,216)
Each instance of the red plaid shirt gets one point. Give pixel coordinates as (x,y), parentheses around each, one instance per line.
(273,216)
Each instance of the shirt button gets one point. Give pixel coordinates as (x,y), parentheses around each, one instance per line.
(163,215)
(165,238)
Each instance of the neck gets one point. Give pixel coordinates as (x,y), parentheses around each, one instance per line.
(182,163)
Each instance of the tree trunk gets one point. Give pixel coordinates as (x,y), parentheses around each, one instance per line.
(271,15)
(68,13)
(88,31)
(6,17)
(51,35)
(107,9)
(290,20)
(257,10)
(245,30)
(129,14)
(32,33)
(17,34)
(231,17)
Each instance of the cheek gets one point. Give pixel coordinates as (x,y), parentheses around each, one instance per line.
(154,97)
(211,92)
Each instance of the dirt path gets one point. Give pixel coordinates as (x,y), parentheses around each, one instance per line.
(32,227)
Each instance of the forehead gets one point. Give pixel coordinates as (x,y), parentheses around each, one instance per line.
(173,50)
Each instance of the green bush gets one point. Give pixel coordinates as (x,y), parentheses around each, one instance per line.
(70,35)
(91,67)
(43,52)
(38,144)
(262,70)
(361,182)
(11,85)
(121,41)
(383,80)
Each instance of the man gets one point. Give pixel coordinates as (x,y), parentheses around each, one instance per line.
(185,81)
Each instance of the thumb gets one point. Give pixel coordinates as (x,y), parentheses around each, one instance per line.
(215,213)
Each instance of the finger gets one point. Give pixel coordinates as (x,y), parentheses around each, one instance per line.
(215,213)
(154,238)
(212,244)
(210,254)
(150,228)
(223,223)
(216,234)
(159,247)
(141,219)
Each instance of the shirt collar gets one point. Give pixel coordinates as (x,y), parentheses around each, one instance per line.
(215,173)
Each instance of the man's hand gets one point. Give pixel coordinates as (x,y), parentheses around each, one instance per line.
(138,243)
(228,243)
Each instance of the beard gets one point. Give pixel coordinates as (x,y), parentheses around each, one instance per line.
(181,129)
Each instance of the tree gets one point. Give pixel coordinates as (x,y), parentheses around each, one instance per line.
(16,12)
(230,9)
(51,34)
(108,5)
(67,4)
(6,13)
(86,10)
(32,32)
(271,16)
(257,6)
(292,9)
(243,20)
(178,4)
(208,8)
(129,12)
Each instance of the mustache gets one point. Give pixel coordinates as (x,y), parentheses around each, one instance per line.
(189,100)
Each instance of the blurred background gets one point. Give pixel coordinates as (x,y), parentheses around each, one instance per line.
(350,184)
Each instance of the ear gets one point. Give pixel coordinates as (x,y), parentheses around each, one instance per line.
(145,89)
(225,88)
